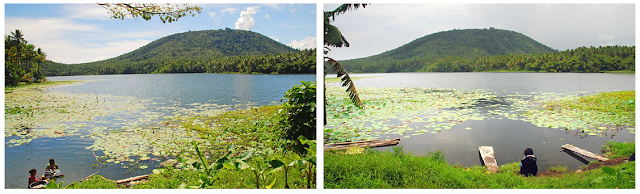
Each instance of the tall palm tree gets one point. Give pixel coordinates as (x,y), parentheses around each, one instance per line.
(18,39)
(334,38)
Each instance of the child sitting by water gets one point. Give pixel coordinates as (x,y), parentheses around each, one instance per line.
(33,178)
(52,165)
(528,166)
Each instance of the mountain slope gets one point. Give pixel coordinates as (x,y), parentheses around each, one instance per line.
(210,43)
(467,43)
(212,51)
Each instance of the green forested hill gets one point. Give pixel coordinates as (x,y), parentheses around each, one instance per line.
(465,43)
(213,51)
(491,50)
(210,43)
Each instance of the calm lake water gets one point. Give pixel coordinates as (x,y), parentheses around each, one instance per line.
(174,90)
(508,137)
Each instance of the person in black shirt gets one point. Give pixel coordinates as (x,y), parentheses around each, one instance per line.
(528,166)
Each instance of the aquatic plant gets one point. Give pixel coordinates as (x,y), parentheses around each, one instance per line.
(408,112)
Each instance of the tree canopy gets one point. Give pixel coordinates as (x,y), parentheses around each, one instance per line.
(582,60)
(21,60)
(167,13)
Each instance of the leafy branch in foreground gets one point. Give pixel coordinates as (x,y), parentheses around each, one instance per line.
(167,13)
(334,38)
(346,81)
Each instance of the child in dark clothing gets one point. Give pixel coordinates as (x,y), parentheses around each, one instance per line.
(528,166)
(52,165)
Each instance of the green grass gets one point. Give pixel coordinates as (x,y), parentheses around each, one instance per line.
(558,168)
(396,169)
(621,72)
(23,85)
(512,71)
(622,102)
(95,182)
(619,149)
(610,104)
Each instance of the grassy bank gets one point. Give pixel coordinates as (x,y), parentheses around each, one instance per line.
(397,169)
(613,108)
(37,85)
(621,72)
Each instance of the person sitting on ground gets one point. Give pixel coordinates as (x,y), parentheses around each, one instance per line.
(33,179)
(52,165)
(528,166)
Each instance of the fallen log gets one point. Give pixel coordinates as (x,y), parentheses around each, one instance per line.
(486,152)
(94,155)
(352,142)
(132,179)
(368,143)
(84,179)
(583,152)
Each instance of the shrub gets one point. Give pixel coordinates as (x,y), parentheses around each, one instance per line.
(300,113)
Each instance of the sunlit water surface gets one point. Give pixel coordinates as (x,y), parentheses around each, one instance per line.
(164,90)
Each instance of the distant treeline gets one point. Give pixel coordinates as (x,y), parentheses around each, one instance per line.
(582,59)
(299,62)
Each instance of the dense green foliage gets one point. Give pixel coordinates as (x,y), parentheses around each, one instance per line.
(209,51)
(619,149)
(492,50)
(619,108)
(397,169)
(21,60)
(300,113)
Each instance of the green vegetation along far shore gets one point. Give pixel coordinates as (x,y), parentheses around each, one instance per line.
(337,80)
(397,169)
(25,85)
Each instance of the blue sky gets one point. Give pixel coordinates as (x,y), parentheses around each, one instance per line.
(384,26)
(78,33)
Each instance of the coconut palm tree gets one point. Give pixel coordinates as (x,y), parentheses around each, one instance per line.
(334,38)
(18,39)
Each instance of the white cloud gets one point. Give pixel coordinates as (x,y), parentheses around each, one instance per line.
(87,11)
(274,38)
(267,16)
(272,5)
(306,43)
(245,22)
(560,26)
(212,14)
(65,41)
(605,37)
(229,10)
(71,52)
(39,30)
(293,10)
